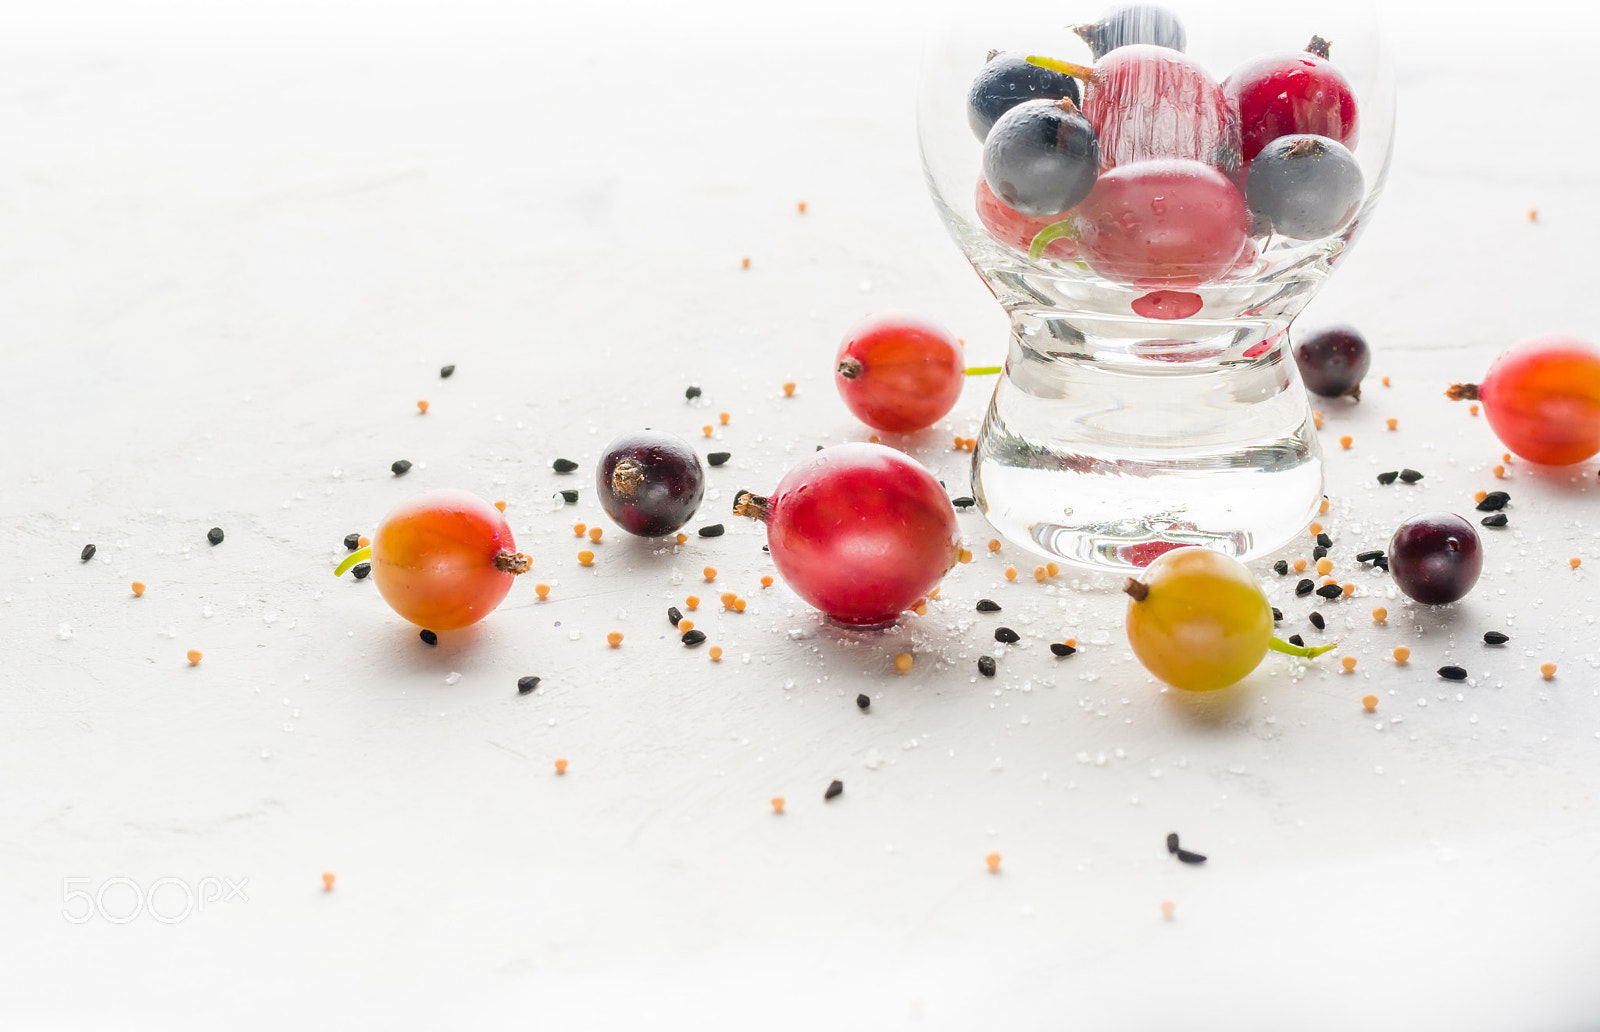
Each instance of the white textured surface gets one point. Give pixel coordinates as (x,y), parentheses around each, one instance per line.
(236,248)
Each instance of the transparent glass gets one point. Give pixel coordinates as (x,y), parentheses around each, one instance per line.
(1152,403)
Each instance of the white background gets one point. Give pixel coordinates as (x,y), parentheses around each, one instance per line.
(238,240)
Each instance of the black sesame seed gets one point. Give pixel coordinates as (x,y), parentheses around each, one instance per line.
(1494,501)
(717,458)
(1410,476)
(400,467)
(1382,563)
(1495,638)
(563,465)
(1305,587)
(1317,621)
(1330,591)
(1281,567)
(1319,551)
(352,542)
(214,535)
(570,495)
(87,553)
(445,372)
(988,605)
(1295,639)
(527,684)
(715,530)
(428,637)
(835,789)
(1388,478)
(694,637)
(986,666)
(674,614)
(1061,648)
(691,393)
(862,702)
(1367,557)
(1172,842)
(1006,635)
(1191,858)
(964,502)
(1498,519)
(1452,673)
(765,548)
(1324,540)
(361,570)
(1277,615)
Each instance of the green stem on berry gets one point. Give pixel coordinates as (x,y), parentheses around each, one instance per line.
(1077,71)
(1303,651)
(985,370)
(1063,230)
(360,555)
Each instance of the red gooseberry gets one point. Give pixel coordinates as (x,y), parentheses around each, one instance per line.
(1542,398)
(899,372)
(445,559)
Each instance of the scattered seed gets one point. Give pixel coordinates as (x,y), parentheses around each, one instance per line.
(1167,909)
(1385,381)
(708,430)
(87,553)
(1039,574)
(1349,663)
(766,582)
(1382,563)
(993,860)
(1295,639)
(1574,562)
(1317,621)
(1011,573)
(400,467)
(569,496)
(710,573)
(1389,477)
(674,615)
(986,605)
(1547,671)
(1330,591)
(501,505)
(715,653)
(681,538)
(193,655)
(527,684)
(352,542)
(1498,519)
(777,800)
(788,389)
(561,766)
(728,598)
(1007,635)
(1324,566)
(1305,587)
(964,502)
(327,881)
(428,637)
(1316,418)
(1410,476)
(1392,423)
(1379,615)
(1061,648)
(585,558)
(1499,472)
(1191,858)
(1324,540)
(1492,501)
(1277,615)
(692,602)
(1401,654)
(542,590)
(685,626)
(1346,441)
(1472,410)
(445,372)
(744,263)
(1348,588)
(563,465)
(1319,552)
(1281,567)
(1369,703)
(1052,568)
(1314,529)
(835,789)
(1495,638)
(363,541)
(964,555)
(595,533)
(693,638)
(862,702)
(986,666)
(717,458)
(1452,673)
(1172,842)
(1299,564)
(801,207)
(691,392)
(903,662)
(723,417)
(138,589)
(614,639)
(422,407)
(214,535)
(994,544)
(360,570)
(1368,556)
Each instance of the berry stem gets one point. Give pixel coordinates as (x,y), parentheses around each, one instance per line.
(1303,651)
(512,562)
(360,555)
(1077,71)
(751,505)
(849,368)
(1462,392)
(1049,235)
(1319,46)
(1136,590)
(985,370)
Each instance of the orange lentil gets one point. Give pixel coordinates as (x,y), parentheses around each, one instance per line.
(994,544)
(739,604)
(1324,566)
(715,653)
(1300,565)
(1316,419)
(802,207)
(595,533)
(682,538)
(614,639)
(1039,574)
(934,593)
(1574,562)
(744,263)
(1386,381)
(579,529)
(1401,654)
(1500,472)
(685,626)
(1349,588)
(964,555)
(1479,496)
(1472,410)
(561,766)
(1071,643)
(777,804)
(921,609)
(585,557)
(1547,671)
(327,881)
(138,589)
(1533,214)
(872,439)
(1323,508)
(1315,529)
(1369,703)
(1346,441)
(542,590)
(707,430)
(422,407)
(903,662)
(1052,568)
(1011,573)
(727,599)
(993,860)
(194,657)
(959,442)
(723,417)
(363,542)
(1167,908)
(1506,458)
(693,602)
(788,389)
(1329,580)
(501,505)
(766,582)
(709,573)
(1349,663)
(1379,615)
(1392,423)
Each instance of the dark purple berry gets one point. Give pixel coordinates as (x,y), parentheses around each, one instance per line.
(1133,23)
(1007,80)
(650,482)
(1042,157)
(1435,558)
(1332,362)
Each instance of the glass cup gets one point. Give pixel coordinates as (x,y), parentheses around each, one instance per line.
(1149,398)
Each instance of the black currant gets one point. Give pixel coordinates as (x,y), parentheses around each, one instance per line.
(1435,558)
(1133,23)
(1307,187)
(1332,362)
(1006,81)
(650,482)
(1042,157)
